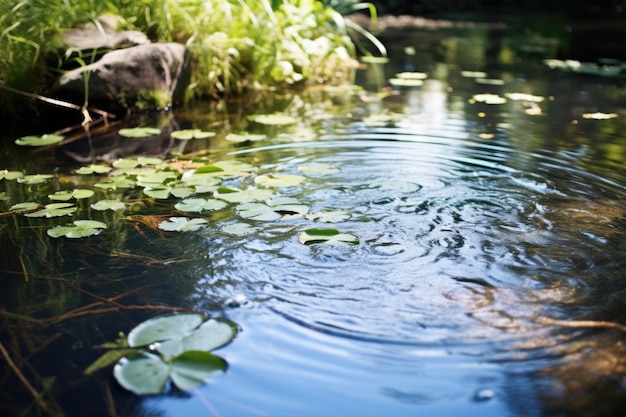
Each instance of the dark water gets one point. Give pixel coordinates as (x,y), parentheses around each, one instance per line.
(488,279)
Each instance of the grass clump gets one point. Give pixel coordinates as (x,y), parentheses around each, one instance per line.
(236,45)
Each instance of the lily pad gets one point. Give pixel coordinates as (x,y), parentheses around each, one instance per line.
(277,208)
(235,195)
(10,175)
(188,134)
(26,206)
(212,334)
(34,179)
(192,369)
(43,140)
(68,195)
(54,210)
(94,169)
(315,236)
(164,327)
(143,373)
(78,229)
(182,224)
(113,205)
(139,132)
(198,205)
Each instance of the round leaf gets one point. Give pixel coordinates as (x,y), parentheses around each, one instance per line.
(143,373)
(212,334)
(43,140)
(194,368)
(139,132)
(165,327)
(182,224)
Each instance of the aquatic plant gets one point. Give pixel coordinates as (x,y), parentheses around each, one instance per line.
(170,346)
(236,45)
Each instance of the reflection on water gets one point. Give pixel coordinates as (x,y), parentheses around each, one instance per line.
(487,280)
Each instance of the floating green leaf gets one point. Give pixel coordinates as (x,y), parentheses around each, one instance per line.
(54,210)
(10,175)
(191,369)
(68,195)
(94,169)
(120,181)
(26,206)
(188,134)
(274,209)
(198,205)
(34,179)
(139,132)
(244,137)
(78,229)
(113,205)
(164,327)
(235,195)
(43,140)
(142,373)
(279,180)
(212,334)
(182,224)
(314,236)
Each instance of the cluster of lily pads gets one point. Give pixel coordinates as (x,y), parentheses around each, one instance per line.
(170,347)
(199,187)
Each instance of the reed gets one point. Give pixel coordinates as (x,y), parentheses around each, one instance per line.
(236,45)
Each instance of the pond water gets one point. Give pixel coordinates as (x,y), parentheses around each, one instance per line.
(485,275)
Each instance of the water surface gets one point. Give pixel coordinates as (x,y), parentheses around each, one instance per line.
(488,277)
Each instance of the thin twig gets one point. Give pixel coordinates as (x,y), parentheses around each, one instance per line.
(42,403)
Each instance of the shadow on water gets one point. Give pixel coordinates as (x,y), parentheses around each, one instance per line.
(488,277)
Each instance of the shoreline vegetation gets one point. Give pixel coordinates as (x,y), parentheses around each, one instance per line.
(236,46)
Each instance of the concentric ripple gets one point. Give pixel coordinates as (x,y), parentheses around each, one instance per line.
(457,246)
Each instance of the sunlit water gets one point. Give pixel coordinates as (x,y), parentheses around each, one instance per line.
(488,278)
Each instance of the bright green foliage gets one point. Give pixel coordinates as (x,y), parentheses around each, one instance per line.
(175,346)
(54,210)
(182,224)
(113,205)
(78,229)
(68,195)
(313,236)
(236,45)
(187,134)
(43,140)
(139,132)
(10,175)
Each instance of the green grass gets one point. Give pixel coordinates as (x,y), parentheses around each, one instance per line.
(236,45)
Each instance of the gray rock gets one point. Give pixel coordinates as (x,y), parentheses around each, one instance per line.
(144,77)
